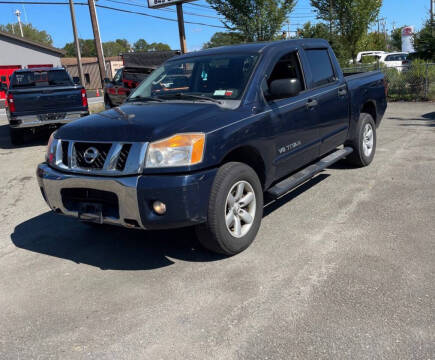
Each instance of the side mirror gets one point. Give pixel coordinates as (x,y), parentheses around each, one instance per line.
(107,80)
(284,88)
(3,87)
(76,80)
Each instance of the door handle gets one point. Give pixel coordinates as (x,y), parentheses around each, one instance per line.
(342,92)
(311,104)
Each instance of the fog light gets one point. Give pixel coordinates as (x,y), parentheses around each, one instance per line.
(159,207)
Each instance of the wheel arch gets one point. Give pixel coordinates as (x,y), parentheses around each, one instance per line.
(250,156)
(369,107)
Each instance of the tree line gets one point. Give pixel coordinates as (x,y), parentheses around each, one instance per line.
(113,48)
(87,46)
(344,23)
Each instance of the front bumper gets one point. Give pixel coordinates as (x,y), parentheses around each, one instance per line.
(186,197)
(27,121)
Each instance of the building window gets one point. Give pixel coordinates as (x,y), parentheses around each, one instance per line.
(87,79)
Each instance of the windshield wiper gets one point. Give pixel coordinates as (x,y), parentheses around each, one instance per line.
(144,98)
(190,96)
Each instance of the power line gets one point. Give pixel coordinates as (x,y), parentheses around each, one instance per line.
(41,2)
(156,16)
(200,5)
(109,8)
(169,10)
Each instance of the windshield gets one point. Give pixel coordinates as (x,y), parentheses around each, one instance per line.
(40,78)
(216,77)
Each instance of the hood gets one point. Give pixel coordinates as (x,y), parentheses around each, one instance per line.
(143,122)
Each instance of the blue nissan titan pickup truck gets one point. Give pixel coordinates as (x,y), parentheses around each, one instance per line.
(207,135)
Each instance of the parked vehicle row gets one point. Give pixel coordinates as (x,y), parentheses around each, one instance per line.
(397,60)
(203,139)
(137,67)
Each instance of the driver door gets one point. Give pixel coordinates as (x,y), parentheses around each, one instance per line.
(295,129)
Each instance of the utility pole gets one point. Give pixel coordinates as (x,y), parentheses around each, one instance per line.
(432,9)
(288,29)
(76,41)
(181,31)
(18,14)
(330,17)
(98,45)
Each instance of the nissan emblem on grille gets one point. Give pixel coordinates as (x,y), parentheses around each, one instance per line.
(90,155)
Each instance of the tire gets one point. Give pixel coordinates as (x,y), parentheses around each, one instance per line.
(364,145)
(215,235)
(17,136)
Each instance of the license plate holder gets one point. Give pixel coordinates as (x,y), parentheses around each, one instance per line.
(52,116)
(91,212)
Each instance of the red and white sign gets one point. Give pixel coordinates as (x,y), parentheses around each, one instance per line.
(407,39)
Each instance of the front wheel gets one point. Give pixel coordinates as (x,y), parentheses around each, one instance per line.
(234,212)
(364,142)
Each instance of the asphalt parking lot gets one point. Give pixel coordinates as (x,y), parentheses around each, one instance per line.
(343,267)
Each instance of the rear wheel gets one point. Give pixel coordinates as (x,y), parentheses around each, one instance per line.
(364,142)
(17,136)
(235,210)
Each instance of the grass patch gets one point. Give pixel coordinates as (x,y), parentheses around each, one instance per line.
(96,108)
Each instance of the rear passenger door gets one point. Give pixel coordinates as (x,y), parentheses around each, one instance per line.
(331,99)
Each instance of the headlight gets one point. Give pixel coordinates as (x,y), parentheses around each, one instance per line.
(178,150)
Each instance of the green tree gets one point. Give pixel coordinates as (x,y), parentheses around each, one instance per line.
(424,42)
(319,31)
(158,46)
(140,45)
(350,18)
(372,41)
(29,32)
(255,20)
(223,38)
(87,48)
(115,48)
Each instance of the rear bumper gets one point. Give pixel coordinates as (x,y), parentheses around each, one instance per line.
(185,196)
(27,121)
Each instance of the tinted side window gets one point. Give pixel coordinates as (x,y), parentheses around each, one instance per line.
(321,66)
(117,77)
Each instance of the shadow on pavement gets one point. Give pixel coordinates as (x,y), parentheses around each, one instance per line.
(37,139)
(108,247)
(271,205)
(116,248)
(430,116)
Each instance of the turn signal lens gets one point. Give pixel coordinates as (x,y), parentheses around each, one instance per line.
(178,150)
(50,149)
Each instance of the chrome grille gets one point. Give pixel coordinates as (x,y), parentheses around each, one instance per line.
(109,158)
(102,149)
(122,159)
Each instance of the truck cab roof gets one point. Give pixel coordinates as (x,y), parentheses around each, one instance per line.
(257,47)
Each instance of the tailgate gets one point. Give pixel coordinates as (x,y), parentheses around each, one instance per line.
(47,100)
